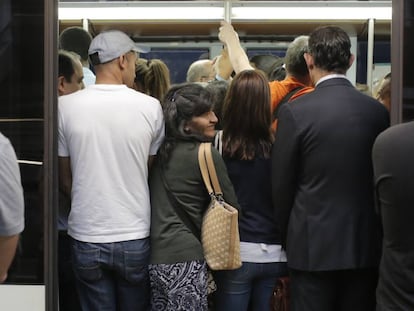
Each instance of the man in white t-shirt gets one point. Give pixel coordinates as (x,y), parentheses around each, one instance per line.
(108,134)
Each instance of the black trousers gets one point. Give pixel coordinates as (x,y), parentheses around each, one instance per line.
(68,295)
(338,290)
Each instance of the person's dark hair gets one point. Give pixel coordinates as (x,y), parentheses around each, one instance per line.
(330,47)
(294,60)
(76,39)
(271,65)
(181,104)
(152,77)
(277,73)
(247,118)
(218,90)
(66,66)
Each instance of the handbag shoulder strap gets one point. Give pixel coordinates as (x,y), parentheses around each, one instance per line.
(203,168)
(208,170)
(212,170)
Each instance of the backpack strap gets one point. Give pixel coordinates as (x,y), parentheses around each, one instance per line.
(284,100)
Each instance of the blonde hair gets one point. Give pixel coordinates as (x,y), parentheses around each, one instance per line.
(152,77)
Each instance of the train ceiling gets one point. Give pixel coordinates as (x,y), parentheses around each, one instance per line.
(199,20)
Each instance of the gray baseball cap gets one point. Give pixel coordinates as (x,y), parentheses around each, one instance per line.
(111,44)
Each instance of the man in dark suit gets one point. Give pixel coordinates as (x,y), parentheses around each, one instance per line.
(393,155)
(323,180)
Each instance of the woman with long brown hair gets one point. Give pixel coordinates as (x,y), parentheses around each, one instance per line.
(246,146)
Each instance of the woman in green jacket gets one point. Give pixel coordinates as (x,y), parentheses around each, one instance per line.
(178,271)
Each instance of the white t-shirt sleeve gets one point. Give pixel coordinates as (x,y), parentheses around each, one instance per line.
(11,199)
(159,132)
(63,150)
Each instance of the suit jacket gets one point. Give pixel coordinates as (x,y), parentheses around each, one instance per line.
(322,178)
(393,155)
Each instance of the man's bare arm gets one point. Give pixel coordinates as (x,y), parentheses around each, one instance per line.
(65,175)
(8,247)
(223,66)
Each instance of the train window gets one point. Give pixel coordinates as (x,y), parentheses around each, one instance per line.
(382,55)
(178,60)
(277,52)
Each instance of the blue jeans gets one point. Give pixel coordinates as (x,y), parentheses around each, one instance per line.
(112,276)
(251,285)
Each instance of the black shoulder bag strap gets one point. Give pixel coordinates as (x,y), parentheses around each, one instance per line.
(173,200)
(284,101)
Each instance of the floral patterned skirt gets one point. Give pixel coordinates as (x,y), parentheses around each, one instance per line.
(180,286)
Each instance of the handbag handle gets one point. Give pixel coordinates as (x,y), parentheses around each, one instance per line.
(208,170)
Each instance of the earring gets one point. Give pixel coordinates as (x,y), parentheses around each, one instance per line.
(187,130)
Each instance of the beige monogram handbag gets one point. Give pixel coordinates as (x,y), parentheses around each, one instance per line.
(220,227)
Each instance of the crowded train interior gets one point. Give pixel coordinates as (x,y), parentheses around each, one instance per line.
(178,33)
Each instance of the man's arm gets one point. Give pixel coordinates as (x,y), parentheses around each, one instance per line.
(285,162)
(11,206)
(237,55)
(223,66)
(8,247)
(65,176)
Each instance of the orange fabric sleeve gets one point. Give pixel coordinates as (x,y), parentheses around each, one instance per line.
(279,89)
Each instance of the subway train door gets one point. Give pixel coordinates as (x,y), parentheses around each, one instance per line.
(27,97)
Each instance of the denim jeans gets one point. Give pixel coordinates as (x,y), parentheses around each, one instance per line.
(251,285)
(112,276)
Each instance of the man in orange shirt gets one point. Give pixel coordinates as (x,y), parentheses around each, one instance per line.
(297,75)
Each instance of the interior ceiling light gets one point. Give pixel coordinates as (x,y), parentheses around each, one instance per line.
(235,10)
(311,10)
(140,11)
